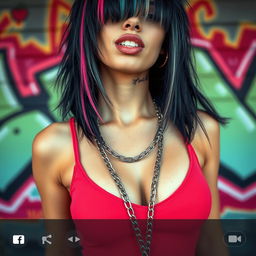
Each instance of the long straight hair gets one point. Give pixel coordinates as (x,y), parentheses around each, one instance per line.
(177,92)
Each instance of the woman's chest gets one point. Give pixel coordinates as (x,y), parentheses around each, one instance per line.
(135,177)
(178,196)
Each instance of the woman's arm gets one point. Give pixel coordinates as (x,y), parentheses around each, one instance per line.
(211,237)
(46,164)
(211,152)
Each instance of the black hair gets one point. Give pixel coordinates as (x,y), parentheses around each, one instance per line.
(177,92)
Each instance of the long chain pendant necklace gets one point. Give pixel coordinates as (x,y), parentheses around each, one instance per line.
(144,246)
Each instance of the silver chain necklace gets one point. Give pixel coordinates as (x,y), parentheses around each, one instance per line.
(142,155)
(144,246)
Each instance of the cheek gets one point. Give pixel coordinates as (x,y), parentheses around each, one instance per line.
(157,38)
(106,46)
(154,35)
(155,42)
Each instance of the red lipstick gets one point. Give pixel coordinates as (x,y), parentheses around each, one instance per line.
(135,47)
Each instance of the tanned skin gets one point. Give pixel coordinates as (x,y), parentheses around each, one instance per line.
(128,127)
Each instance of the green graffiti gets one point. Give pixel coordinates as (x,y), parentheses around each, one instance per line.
(8,101)
(238,138)
(251,97)
(16,138)
(47,79)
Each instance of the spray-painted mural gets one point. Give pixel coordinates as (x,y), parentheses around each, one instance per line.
(224,39)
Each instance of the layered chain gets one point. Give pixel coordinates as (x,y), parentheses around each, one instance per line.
(142,155)
(144,246)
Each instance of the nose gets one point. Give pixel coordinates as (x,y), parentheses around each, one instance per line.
(132,23)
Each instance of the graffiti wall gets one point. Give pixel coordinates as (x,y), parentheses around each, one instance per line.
(224,39)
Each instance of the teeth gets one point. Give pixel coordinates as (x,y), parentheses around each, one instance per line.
(129,43)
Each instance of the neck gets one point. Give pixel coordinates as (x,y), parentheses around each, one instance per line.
(130,96)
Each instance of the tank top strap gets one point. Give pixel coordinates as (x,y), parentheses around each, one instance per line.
(193,154)
(74,139)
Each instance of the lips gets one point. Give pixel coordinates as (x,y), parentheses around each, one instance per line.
(130,37)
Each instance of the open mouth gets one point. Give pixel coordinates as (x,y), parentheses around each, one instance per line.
(129,44)
(131,48)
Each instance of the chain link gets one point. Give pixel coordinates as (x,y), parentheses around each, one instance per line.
(146,152)
(144,246)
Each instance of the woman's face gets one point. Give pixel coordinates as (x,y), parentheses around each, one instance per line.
(130,60)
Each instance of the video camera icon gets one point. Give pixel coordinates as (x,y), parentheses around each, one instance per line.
(234,239)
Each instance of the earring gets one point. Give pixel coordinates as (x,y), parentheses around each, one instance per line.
(166,58)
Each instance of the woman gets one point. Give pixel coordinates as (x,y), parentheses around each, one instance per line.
(128,80)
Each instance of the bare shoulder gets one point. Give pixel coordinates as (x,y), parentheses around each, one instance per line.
(211,126)
(51,138)
(51,143)
(204,147)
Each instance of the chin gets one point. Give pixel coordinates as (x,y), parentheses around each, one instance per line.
(133,68)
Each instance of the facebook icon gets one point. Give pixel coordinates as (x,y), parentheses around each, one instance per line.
(18,239)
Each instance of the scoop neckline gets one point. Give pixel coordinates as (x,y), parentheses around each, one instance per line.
(106,193)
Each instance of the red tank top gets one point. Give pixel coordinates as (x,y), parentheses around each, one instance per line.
(191,200)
